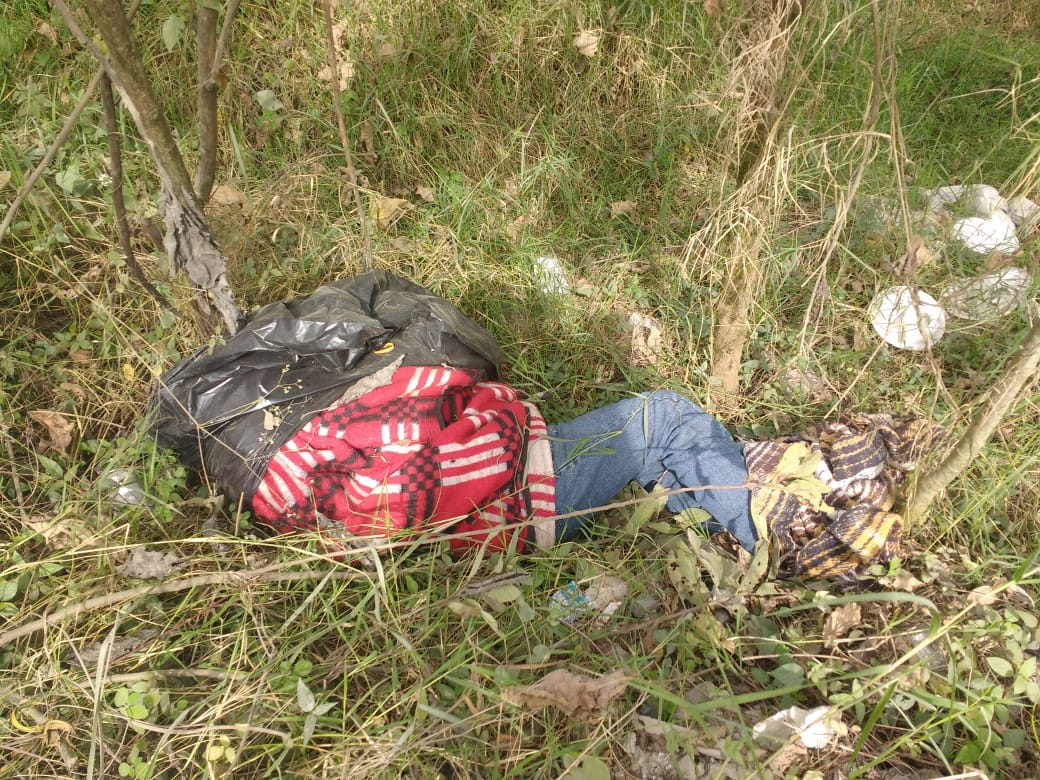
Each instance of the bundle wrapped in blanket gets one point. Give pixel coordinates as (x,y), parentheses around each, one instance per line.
(826,496)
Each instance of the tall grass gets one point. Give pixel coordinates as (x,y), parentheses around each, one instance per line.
(262,657)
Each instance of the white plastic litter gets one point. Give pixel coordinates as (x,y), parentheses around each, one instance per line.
(986,297)
(550,276)
(907,318)
(816,728)
(983,235)
(1024,213)
(979,199)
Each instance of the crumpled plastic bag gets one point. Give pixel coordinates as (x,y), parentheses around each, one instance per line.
(228,410)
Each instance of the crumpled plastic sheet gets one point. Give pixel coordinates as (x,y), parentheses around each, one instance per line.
(227,410)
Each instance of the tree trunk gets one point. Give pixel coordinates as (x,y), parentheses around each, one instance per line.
(188,242)
(759,69)
(1021,371)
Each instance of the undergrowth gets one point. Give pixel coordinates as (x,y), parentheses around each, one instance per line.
(270,657)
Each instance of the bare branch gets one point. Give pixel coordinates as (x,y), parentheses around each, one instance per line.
(122,226)
(351,174)
(1021,371)
(206,44)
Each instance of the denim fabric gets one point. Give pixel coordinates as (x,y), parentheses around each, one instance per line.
(659,438)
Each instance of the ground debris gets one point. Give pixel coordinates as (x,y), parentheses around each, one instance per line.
(145,564)
(574,694)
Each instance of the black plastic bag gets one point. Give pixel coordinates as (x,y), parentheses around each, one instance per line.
(228,410)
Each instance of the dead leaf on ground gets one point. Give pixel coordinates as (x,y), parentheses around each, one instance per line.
(56,532)
(59,429)
(619,207)
(225,195)
(712,8)
(587,42)
(5,179)
(840,622)
(403,244)
(917,256)
(984,595)
(271,420)
(385,210)
(80,356)
(368,143)
(76,391)
(344,70)
(902,581)
(386,50)
(576,695)
(118,647)
(145,564)
(429,194)
(647,339)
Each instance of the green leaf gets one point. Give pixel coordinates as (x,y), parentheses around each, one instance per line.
(788,674)
(137,711)
(1000,666)
(8,590)
(267,101)
(70,180)
(590,768)
(1014,738)
(970,753)
(171,31)
(304,697)
(504,594)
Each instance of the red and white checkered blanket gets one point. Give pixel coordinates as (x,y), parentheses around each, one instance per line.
(432,447)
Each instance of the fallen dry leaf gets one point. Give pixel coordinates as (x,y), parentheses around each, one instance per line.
(902,581)
(587,42)
(5,179)
(917,256)
(345,70)
(76,391)
(576,695)
(224,195)
(619,207)
(368,143)
(271,420)
(647,339)
(429,194)
(145,564)
(58,428)
(840,622)
(386,50)
(385,210)
(984,595)
(56,532)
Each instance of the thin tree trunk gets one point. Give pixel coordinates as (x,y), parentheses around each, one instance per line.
(206,49)
(188,242)
(760,70)
(1021,371)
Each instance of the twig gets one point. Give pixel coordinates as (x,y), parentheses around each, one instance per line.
(123,228)
(205,48)
(59,139)
(225,31)
(1000,398)
(351,173)
(273,573)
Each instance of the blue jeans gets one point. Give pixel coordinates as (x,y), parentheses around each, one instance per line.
(659,438)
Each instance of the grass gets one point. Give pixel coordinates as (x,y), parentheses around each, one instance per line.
(263,657)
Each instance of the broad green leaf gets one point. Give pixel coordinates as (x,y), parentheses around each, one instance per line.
(970,753)
(171,31)
(590,768)
(1000,666)
(788,674)
(8,590)
(304,697)
(504,593)
(267,101)
(1014,738)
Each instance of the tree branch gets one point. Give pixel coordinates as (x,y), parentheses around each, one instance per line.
(1021,371)
(351,173)
(206,45)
